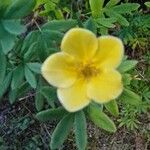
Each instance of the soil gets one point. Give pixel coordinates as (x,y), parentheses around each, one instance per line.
(20,130)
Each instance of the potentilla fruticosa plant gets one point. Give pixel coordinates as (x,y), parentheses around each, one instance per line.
(85,74)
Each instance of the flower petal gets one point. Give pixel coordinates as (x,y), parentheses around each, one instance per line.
(74,98)
(80,43)
(58,70)
(105,87)
(110,52)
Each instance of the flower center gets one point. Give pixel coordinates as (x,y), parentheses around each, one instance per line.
(88,70)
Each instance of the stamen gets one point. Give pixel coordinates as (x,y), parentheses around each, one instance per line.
(88,70)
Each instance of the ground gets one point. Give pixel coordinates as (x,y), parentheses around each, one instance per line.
(21,130)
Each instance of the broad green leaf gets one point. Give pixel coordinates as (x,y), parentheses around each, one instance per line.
(51,114)
(30,77)
(60,25)
(101,119)
(96,7)
(90,25)
(3,65)
(127,65)
(61,131)
(35,67)
(147,4)
(13,26)
(19,9)
(126,8)
(80,130)
(5,84)
(17,78)
(112,107)
(129,97)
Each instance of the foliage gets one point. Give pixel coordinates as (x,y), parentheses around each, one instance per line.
(137,34)
(107,15)
(32,30)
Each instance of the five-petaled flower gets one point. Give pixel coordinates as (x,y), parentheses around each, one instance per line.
(85,69)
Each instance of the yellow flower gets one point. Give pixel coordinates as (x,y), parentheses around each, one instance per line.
(85,69)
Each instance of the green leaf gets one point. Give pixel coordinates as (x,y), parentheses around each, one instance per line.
(120,19)
(19,9)
(80,130)
(127,65)
(9,29)
(96,7)
(90,25)
(3,65)
(45,41)
(112,3)
(51,114)
(23,89)
(5,84)
(12,96)
(101,119)
(147,4)
(3,7)
(103,30)
(7,40)
(19,92)
(35,67)
(61,131)
(39,98)
(112,107)
(18,75)
(60,25)
(106,22)
(31,38)
(39,101)
(13,26)
(28,56)
(129,97)
(30,77)
(126,8)
(50,94)
(48,39)
(126,78)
